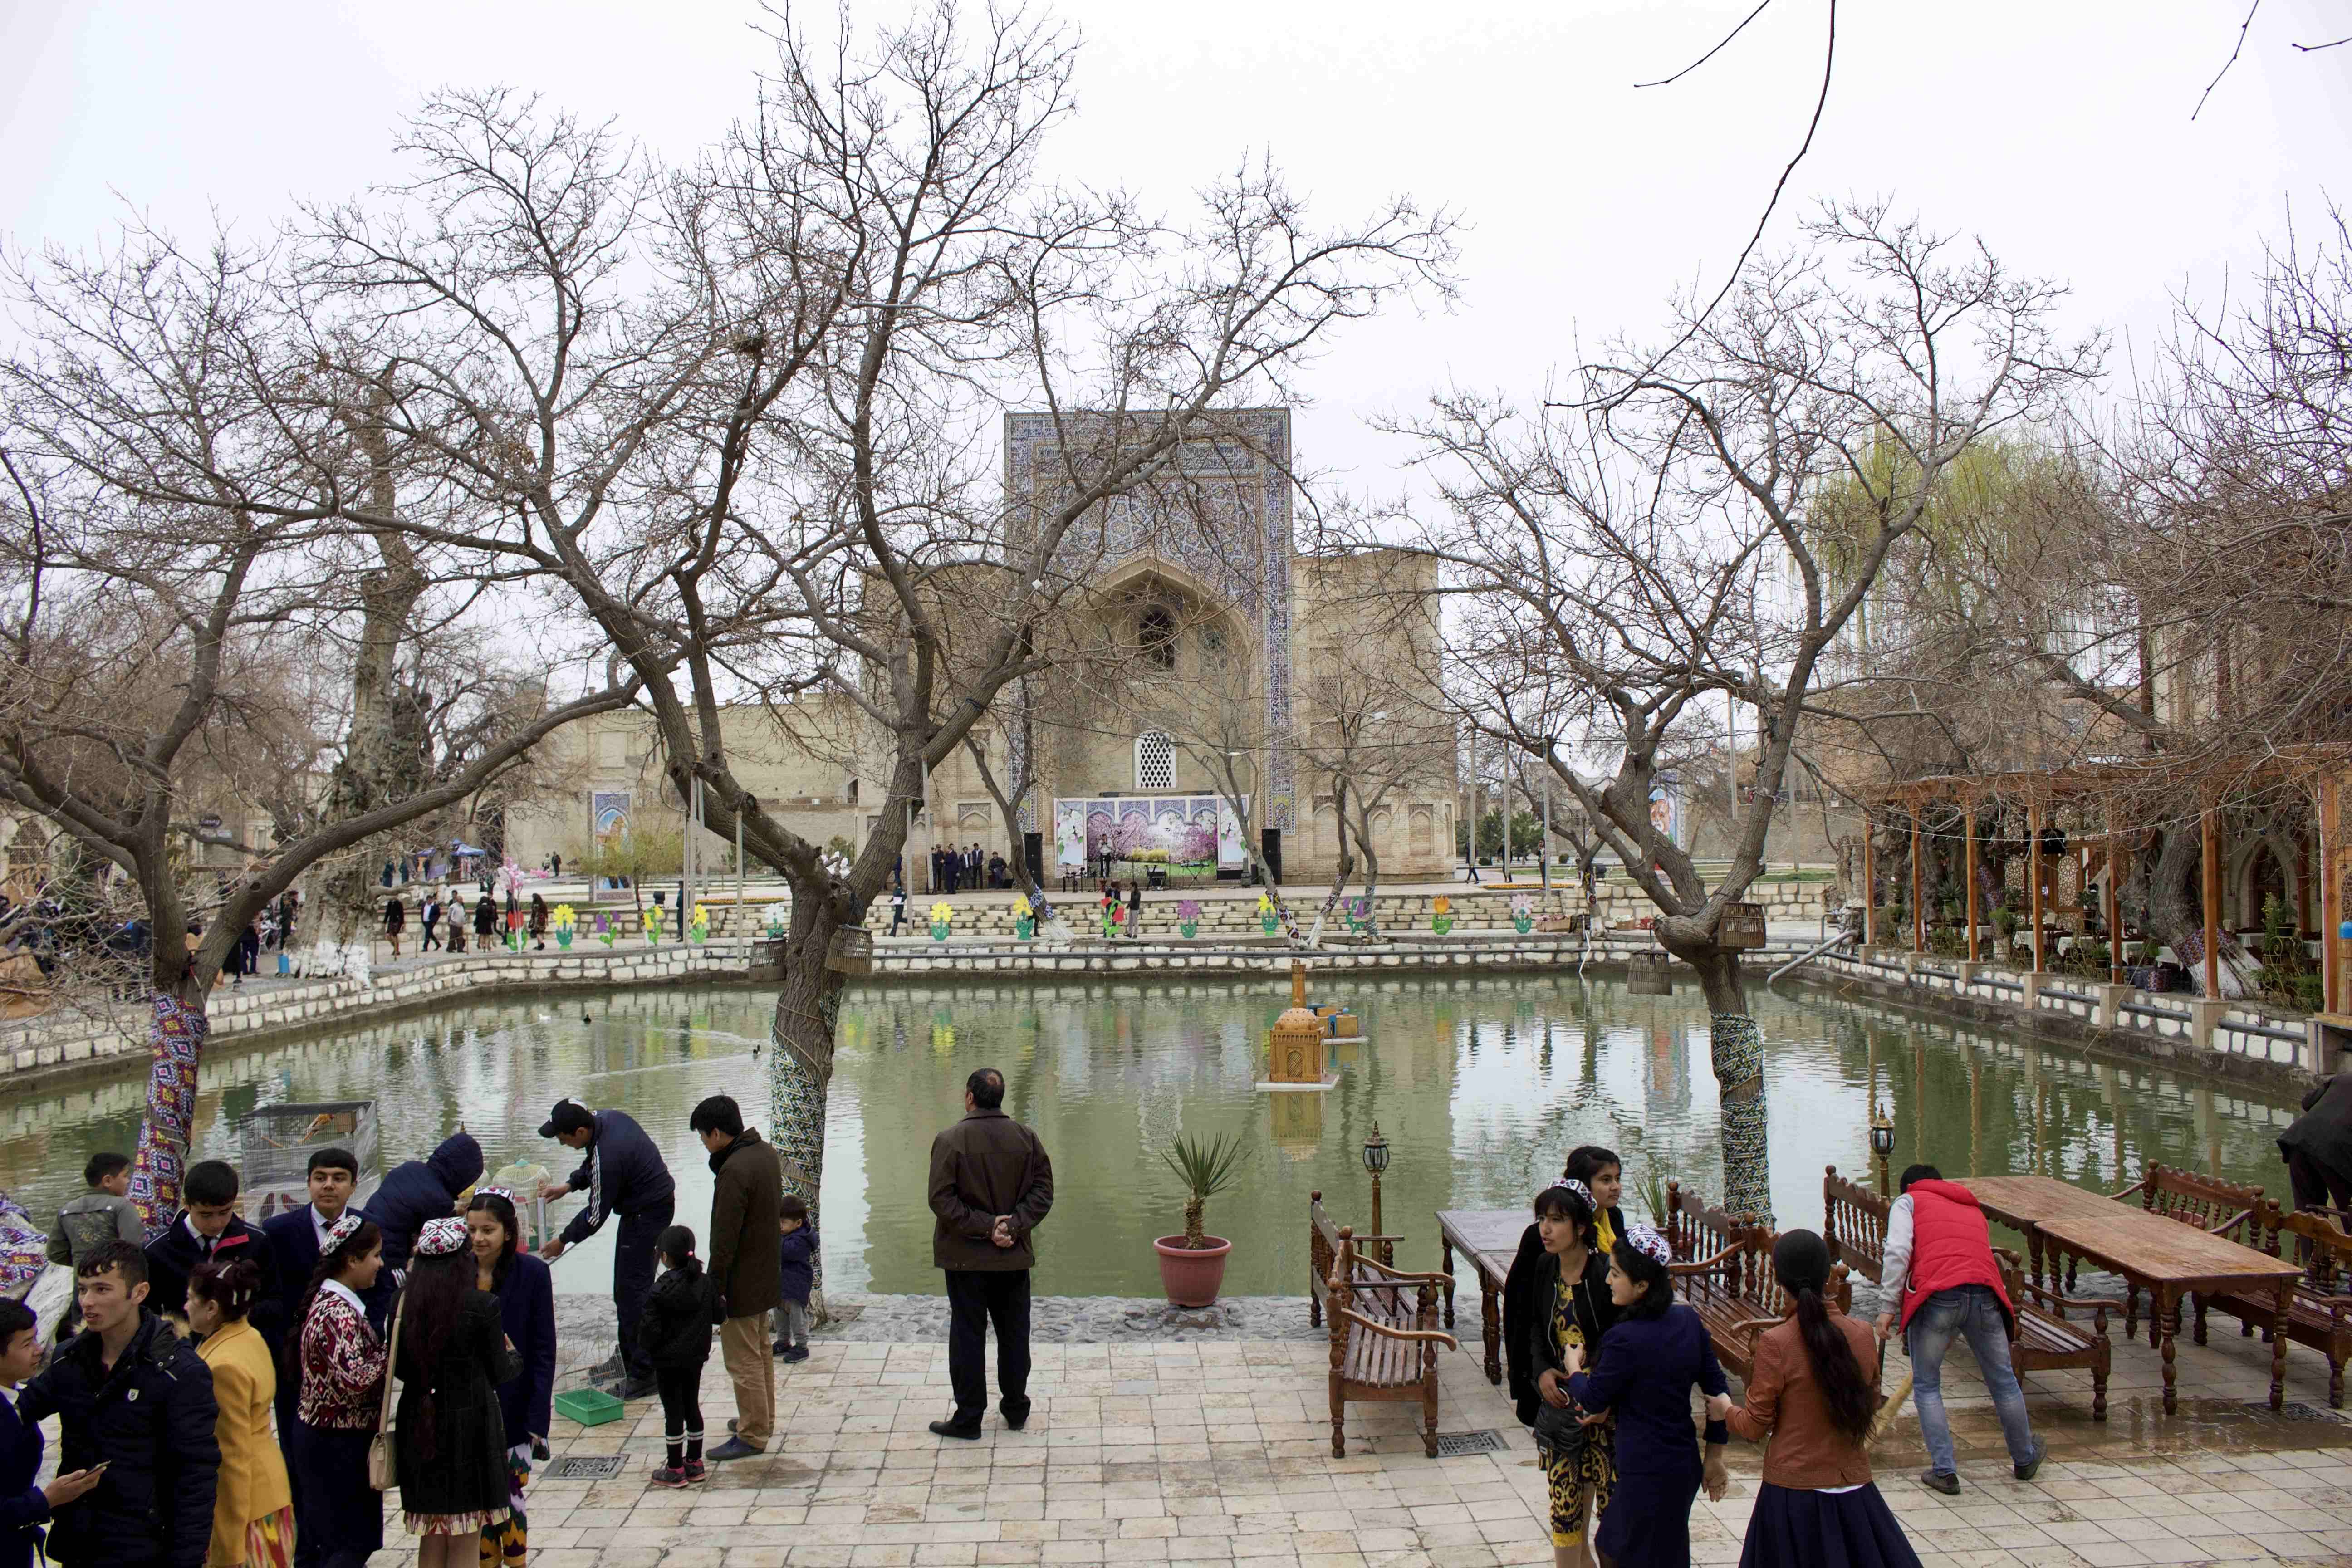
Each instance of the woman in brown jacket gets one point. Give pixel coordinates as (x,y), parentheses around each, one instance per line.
(1815,1391)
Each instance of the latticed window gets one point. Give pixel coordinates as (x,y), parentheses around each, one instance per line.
(1155,760)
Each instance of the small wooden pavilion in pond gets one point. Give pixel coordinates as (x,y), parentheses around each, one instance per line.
(2106,811)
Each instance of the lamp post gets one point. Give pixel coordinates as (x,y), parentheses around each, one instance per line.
(1882,1141)
(1376,1159)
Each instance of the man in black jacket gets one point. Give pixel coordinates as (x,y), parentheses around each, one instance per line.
(2317,1148)
(416,1191)
(210,1226)
(135,1397)
(624,1175)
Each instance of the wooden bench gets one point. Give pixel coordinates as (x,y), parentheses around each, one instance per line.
(2320,1315)
(1323,1250)
(1724,1270)
(1385,1339)
(2041,1338)
(2216,1207)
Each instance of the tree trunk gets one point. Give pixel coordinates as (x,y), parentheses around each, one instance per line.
(176,1041)
(1735,1052)
(800,1070)
(2174,912)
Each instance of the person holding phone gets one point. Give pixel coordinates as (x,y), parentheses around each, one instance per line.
(23,1507)
(130,1392)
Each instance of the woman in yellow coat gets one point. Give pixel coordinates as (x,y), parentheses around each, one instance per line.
(253,1513)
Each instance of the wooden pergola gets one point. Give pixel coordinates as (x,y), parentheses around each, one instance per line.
(2112,790)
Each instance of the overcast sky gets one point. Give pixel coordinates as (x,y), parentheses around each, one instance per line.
(2061,132)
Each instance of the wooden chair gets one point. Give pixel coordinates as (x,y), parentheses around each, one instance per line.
(1383,1343)
(1323,1250)
(1723,1269)
(2320,1315)
(2041,1338)
(1853,1222)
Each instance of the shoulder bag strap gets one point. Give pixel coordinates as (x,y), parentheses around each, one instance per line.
(391,1359)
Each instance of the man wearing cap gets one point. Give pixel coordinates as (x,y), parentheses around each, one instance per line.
(624,1175)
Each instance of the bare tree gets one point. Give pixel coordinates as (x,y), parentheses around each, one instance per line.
(170,545)
(741,418)
(1621,556)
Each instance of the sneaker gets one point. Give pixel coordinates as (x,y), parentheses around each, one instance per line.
(782,1347)
(794,1353)
(697,1472)
(1943,1482)
(2032,1467)
(733,1448)
(666,1476)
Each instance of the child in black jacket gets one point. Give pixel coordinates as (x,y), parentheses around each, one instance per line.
(674,1333)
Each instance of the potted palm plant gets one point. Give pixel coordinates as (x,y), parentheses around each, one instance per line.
(1192,1266)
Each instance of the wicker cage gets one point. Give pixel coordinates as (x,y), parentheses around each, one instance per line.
(1742,925)
(851,952)
(1650,974)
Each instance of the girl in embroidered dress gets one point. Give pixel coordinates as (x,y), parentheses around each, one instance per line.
(338,1365)
(452,1356)
(1567,1306)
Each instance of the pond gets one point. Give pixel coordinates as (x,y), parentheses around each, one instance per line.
(1480,1088)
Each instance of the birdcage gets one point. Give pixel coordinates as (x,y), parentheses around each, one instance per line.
(1650,974)
(275,1145)
(1742,925)
(851,952)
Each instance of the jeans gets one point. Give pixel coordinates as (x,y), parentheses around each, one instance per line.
(978,1298)
(1973,1310)
(633,1278)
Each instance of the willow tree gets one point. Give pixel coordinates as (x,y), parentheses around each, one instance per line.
(740,417)
(1622,562)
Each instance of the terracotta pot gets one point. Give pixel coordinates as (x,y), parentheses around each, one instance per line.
(1191,1278)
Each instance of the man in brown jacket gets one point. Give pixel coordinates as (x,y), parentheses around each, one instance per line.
(991,1186)
(746,1263)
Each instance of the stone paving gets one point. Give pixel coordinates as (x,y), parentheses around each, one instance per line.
(1216,1450)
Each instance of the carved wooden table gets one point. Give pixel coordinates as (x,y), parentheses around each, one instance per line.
(2163,1257)
(1489,1238)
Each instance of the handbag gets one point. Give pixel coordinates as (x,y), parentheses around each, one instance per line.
(384,1463)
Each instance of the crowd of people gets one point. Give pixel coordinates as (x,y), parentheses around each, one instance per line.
(443,919)
(1603,1364)
(226,1392)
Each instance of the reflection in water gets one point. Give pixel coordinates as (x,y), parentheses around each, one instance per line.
(1481,1087)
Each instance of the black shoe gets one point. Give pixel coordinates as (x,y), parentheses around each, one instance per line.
(780,1346)
(957,1429)
(1943,1482)
(796,1352)
(732,1449)
(2032,1467)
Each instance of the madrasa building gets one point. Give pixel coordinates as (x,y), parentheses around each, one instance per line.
(1200,655)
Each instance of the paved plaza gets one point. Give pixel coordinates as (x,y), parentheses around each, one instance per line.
(1216,1450)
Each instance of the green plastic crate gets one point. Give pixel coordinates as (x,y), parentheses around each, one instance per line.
(588,1406)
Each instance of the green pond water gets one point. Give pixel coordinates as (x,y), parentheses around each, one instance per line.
(1480,1088)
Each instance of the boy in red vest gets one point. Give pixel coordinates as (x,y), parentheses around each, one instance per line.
(1945,1282)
